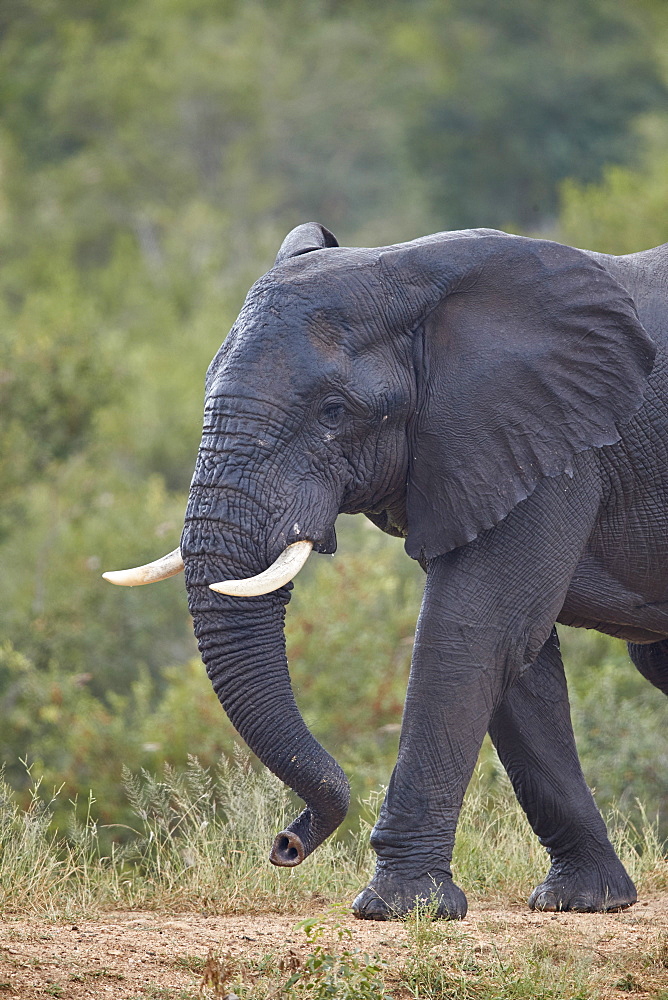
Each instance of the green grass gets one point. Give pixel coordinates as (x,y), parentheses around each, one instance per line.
(201,839)
(446,963)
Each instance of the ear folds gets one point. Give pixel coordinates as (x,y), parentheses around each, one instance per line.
(303,239)
(527,353)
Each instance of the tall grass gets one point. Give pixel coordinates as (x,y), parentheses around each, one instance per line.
(204,837)
(48,873)
(201,839)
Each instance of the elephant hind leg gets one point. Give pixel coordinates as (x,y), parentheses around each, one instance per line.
(533,735)
(651,659)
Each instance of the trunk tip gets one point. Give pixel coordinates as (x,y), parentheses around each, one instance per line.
(287,850)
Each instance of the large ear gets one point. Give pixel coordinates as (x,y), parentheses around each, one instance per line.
(303,239)
(527,353)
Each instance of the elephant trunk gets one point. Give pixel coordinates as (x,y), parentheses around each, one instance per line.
(242,642)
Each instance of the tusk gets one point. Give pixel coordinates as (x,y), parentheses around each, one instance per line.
(279,573)
(152,572)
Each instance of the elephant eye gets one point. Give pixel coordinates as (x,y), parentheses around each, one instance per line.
(331,415)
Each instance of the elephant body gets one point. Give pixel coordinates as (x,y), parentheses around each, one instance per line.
(502,404)
(620,586)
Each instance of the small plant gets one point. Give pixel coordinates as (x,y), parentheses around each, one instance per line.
(152,992)
(423,930)
(628,984)
(194,963)
(216,974)
(327,972)
(425,973)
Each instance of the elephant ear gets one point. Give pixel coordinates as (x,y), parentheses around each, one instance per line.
(527,353)
(303,239)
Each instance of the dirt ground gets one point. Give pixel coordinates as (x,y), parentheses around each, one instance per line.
(144,955)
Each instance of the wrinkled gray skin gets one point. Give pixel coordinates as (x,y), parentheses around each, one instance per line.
(496,401)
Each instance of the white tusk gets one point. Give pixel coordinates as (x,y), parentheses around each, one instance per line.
(279,573)
(161,569)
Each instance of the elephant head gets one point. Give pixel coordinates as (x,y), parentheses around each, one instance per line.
(429,385)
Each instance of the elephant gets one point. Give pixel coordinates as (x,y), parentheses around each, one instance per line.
(499,402)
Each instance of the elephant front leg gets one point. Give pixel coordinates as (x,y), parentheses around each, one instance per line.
(532,732)
(454,683)
(488,610)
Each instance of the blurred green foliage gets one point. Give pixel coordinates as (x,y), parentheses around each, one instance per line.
(529,94)
(152,156)
(628,210)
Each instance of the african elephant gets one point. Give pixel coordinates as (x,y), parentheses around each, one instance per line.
(495,400)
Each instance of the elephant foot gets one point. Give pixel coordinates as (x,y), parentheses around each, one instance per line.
(390,897)
(591,888)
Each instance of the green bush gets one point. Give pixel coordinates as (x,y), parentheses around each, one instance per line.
(627,210)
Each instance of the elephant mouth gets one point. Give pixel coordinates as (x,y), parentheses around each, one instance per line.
(282,570)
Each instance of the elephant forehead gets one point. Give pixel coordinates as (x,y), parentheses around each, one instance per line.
(293,332)
(275,360)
